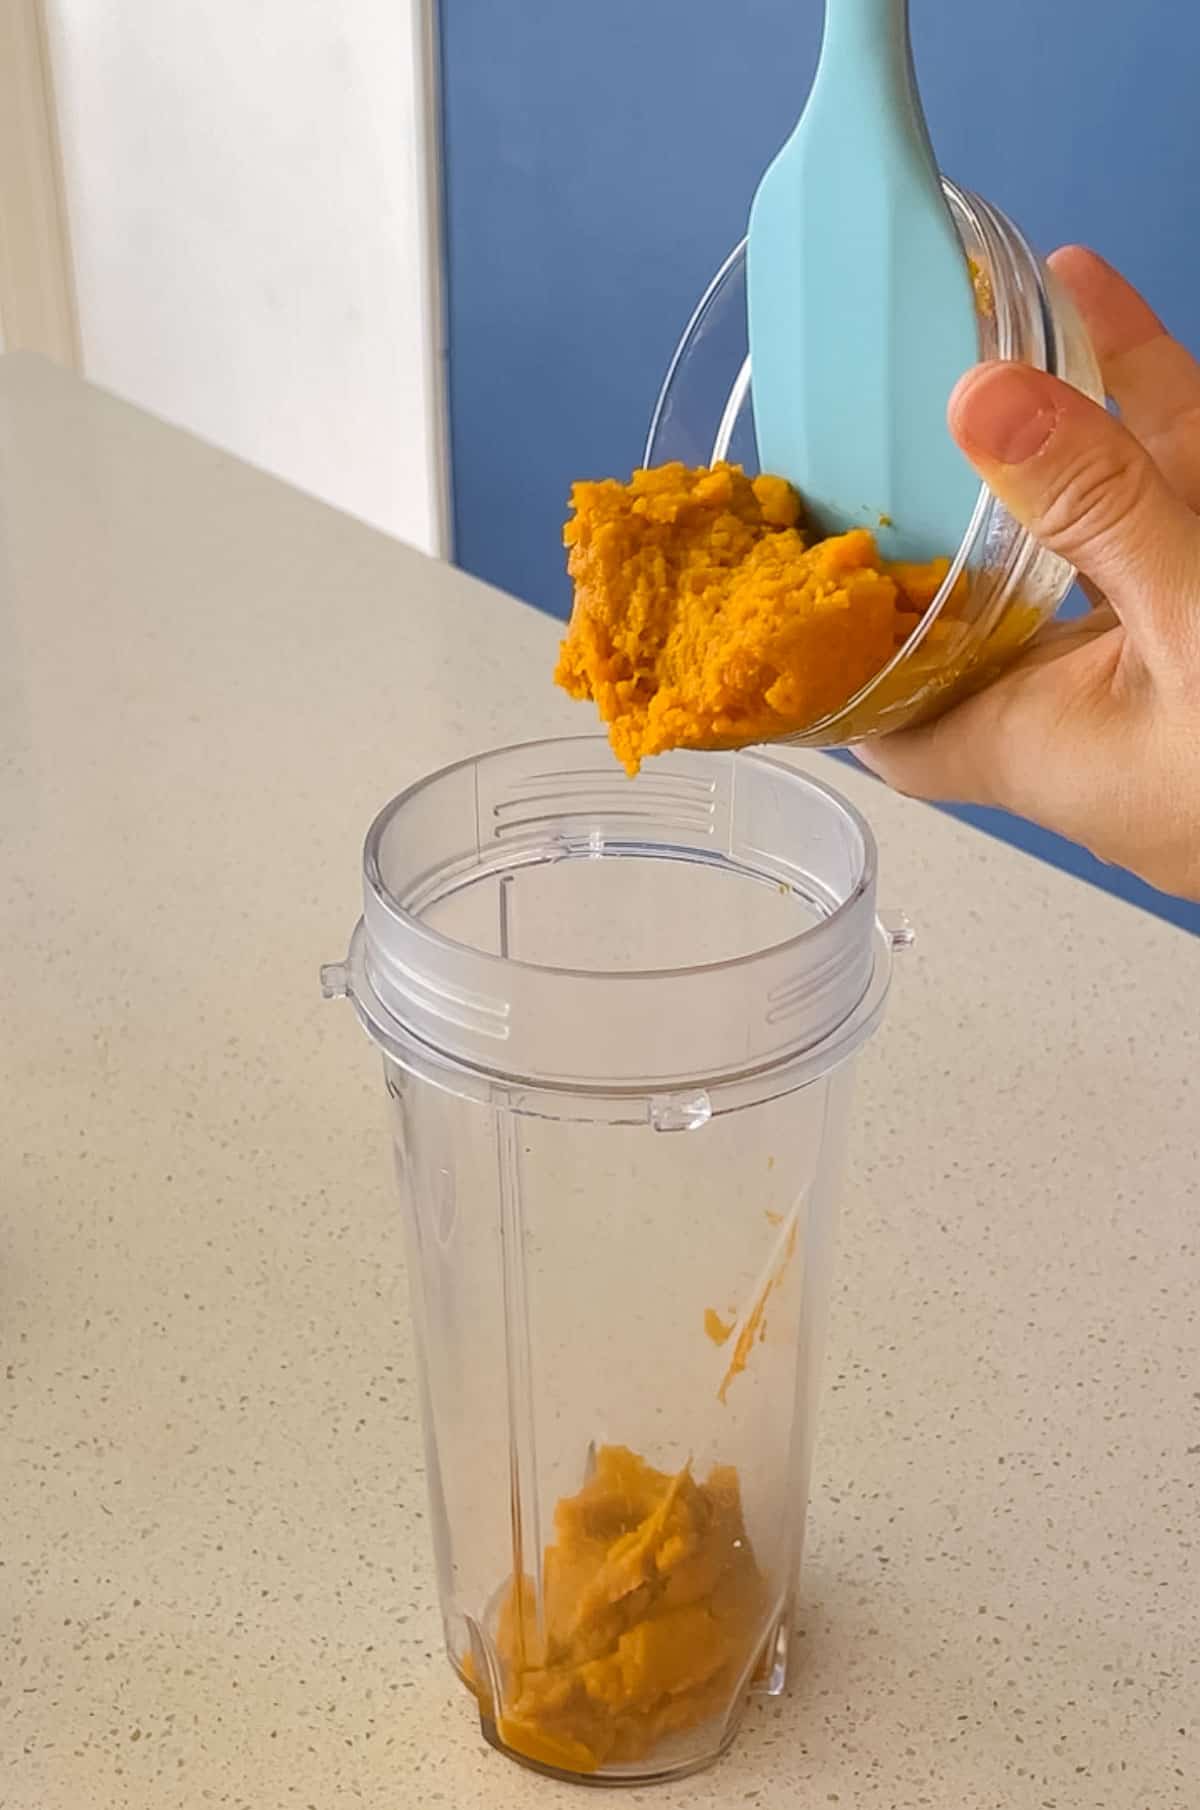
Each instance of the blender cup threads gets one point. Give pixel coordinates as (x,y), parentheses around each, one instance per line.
(970,632)
(617,1021)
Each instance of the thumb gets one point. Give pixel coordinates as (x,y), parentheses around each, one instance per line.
(1084,487)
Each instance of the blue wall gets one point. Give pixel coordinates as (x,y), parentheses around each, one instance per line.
(599,163)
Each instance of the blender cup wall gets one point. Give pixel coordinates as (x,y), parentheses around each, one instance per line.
(570,1281)
(618,1021)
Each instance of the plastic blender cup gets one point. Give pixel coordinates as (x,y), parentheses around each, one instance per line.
(617,1021)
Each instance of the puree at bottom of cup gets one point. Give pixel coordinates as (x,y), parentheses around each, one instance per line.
(654,1609)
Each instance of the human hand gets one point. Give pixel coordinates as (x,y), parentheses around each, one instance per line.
(1095,731)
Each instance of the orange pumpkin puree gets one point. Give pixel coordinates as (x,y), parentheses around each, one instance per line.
(654,1610)
(754,1325)
(706,617)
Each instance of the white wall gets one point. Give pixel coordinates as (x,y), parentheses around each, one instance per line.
(248,187)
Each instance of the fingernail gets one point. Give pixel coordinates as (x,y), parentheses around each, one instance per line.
(1002,413)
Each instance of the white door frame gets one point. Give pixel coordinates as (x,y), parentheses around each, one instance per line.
(37,283)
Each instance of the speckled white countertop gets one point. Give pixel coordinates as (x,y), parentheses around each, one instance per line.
(214,1577)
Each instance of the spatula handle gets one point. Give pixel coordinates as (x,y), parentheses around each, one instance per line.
(866,67)
(866,23)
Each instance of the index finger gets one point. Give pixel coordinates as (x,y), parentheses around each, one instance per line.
(1152,378)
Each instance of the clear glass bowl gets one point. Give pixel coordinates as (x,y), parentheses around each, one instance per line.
(1001,586)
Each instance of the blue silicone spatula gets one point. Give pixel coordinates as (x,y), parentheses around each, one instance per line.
(861,306)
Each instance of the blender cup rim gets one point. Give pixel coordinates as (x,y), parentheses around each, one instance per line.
(608,1100)
(781,1012)
(826,927)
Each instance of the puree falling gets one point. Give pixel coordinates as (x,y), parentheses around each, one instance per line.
(706,615)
